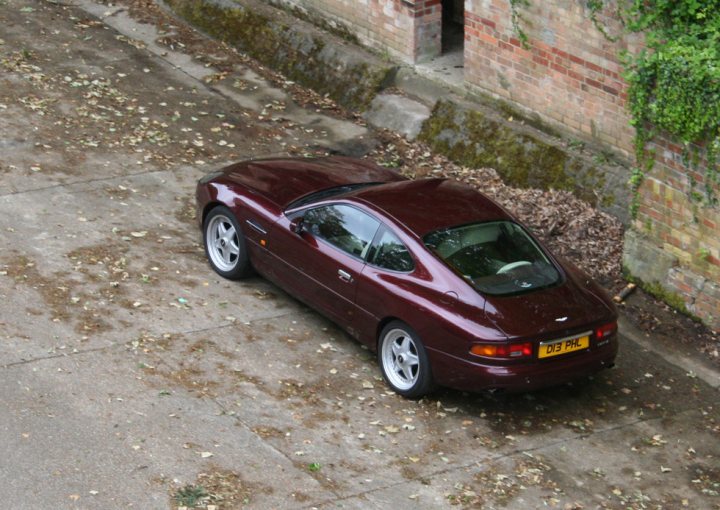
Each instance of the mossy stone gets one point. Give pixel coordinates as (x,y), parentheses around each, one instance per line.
(301,56)
(474,139)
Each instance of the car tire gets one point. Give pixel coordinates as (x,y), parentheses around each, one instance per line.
(404,363)
(225,245)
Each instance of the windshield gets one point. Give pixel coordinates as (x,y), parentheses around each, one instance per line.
(329,192)
(498,258)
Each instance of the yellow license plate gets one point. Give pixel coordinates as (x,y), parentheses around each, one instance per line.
(564,345)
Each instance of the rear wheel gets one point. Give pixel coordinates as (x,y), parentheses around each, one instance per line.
(225,244)
(403,361)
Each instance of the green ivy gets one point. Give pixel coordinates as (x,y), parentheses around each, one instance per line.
(674,83)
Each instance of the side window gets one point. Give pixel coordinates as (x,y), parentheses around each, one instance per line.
(345,227)
(390,253)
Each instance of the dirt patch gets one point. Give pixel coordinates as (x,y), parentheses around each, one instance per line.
(187,212)
(190,378)
(217,488)
(148,343)
(55,292)
(107,254)
(705,479)
(242,377)
(268,432)
(670,327)
(291,389)
(497,486)
(62,296)
(118,193)
(92,323)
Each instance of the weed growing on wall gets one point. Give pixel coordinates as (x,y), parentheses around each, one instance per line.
(516,19)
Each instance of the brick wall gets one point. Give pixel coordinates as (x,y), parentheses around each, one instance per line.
(674,215)
(408,30)
(570,74)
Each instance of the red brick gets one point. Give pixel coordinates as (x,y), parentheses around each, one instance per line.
(521,68)
(539,60)
(558,68)
(561,53)
(504,62)
(488,23)
(610,90)
(593,83)
(575,76)
(487,38)
(505,46)
(594,67)
(543,54)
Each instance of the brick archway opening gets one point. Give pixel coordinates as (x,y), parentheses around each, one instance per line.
(440,38)
(453,26)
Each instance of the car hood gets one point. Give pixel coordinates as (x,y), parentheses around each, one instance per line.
(558,310)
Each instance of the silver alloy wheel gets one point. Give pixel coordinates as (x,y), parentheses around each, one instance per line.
(223,245)
(400,359)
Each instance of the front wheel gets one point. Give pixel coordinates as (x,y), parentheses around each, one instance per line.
(225,244)
(403,361)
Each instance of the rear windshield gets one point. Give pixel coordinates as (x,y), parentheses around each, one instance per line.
(498,258)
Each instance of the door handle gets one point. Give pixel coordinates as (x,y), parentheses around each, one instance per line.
(345,276)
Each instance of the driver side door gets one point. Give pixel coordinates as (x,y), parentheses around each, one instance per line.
(322,259)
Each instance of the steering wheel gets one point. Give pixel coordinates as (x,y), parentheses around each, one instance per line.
(513,265)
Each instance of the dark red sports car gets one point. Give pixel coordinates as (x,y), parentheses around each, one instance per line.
(441,281)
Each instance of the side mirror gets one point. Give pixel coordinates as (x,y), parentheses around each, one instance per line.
(297,225)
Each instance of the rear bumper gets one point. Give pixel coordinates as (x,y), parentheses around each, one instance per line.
(471,376)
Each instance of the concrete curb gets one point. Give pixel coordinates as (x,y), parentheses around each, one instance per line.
(698,369)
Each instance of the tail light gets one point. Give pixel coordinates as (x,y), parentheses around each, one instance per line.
(502,350)
(604,332)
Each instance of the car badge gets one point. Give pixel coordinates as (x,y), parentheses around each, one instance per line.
(525,285)
(561,319)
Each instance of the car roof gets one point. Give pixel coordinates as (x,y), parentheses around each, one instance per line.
(284,180)
(426,205)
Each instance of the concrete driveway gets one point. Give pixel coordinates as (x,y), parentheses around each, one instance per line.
(132,376)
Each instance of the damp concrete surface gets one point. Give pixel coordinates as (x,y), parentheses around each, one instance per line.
(134,377)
